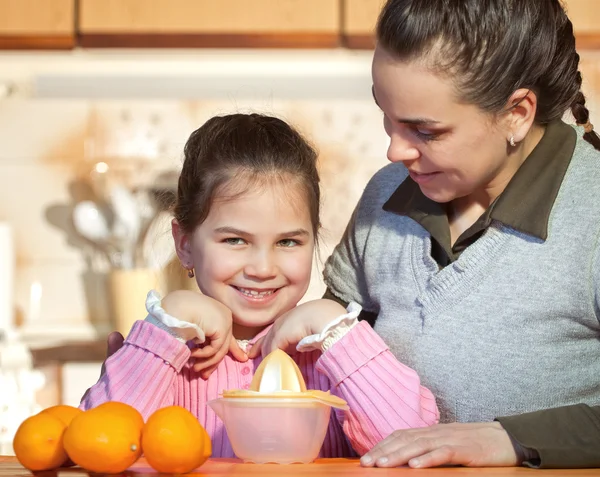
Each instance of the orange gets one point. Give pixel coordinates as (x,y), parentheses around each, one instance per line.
(66,414)
(63,412)
(104,440)
(38,442)
(174,442)
(125,410)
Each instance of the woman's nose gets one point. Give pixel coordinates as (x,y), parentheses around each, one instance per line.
(262,264)
(401,149)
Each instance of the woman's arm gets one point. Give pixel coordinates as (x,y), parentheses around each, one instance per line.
(567,436)
(564,437)
(141,373)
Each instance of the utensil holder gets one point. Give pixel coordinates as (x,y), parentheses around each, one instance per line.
(128,290)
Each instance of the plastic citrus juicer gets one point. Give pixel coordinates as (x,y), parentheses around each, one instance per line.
(277,420)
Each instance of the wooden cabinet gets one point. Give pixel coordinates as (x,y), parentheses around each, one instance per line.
(39,24)
(360,16)
(44,24)
(585,15)
(209,23)
(358,22)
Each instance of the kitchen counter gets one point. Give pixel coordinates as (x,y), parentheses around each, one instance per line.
(321,468)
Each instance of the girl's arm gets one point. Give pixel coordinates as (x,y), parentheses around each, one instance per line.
(383,394)
(142,372)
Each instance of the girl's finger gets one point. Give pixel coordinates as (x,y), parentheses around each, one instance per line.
(236,351)
(256,348)
(213,360)
(215,343)
(204,353)
(267,345)
(205,374)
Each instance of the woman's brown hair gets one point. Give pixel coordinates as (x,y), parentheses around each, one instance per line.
(491,48)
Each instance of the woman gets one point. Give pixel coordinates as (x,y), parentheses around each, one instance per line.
(476,251)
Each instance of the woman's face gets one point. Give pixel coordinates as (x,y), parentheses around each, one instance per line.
(450,148)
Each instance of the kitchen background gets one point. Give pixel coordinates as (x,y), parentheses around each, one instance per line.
(97,98)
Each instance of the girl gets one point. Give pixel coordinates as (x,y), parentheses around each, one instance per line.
(246,223)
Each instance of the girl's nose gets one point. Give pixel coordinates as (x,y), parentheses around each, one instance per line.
(401,149)
(261,265)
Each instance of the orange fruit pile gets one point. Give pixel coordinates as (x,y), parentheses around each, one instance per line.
(110,439)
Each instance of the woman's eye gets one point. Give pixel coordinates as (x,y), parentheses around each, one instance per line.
(288,243)
(425,134)
(234,241)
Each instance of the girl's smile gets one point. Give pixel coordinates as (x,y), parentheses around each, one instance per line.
(257,296)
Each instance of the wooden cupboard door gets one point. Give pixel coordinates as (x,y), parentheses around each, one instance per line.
(209,23)
(585,15)
(360,16)
(37,24)
(358,22)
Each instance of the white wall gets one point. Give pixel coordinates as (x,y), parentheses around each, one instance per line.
(44,142)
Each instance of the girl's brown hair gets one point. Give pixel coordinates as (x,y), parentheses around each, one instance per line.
(492,48)
(236,152)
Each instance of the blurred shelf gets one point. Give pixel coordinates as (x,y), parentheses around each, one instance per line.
(72,352)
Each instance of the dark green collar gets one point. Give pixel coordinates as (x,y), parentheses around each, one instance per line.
(524,205)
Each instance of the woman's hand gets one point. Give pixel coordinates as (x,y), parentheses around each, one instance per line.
(307,319)
(214,319)
(474,445)
(114,343)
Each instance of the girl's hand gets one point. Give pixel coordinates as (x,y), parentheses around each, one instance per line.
(474,445)
(307,319)
(214,319)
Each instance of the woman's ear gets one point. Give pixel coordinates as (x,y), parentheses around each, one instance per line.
(521,107)
(182,245)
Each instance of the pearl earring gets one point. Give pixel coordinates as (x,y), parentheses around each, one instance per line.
(511,141)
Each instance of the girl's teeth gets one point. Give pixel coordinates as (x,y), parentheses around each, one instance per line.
(255,293)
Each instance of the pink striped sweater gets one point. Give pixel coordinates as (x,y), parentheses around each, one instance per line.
(153,370)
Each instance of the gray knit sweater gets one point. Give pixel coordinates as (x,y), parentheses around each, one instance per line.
(510,327)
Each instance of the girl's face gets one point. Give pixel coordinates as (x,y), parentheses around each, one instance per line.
(451,149)
(254,254)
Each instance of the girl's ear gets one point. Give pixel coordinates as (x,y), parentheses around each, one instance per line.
(522,107)
(182,245)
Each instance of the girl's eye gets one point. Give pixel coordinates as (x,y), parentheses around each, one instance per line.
(288,243)
(234,241)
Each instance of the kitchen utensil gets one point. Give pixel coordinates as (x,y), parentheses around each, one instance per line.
(90,222)
(92,225)
(278,420)
(126,228)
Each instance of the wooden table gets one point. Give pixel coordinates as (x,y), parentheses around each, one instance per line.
(321,468)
